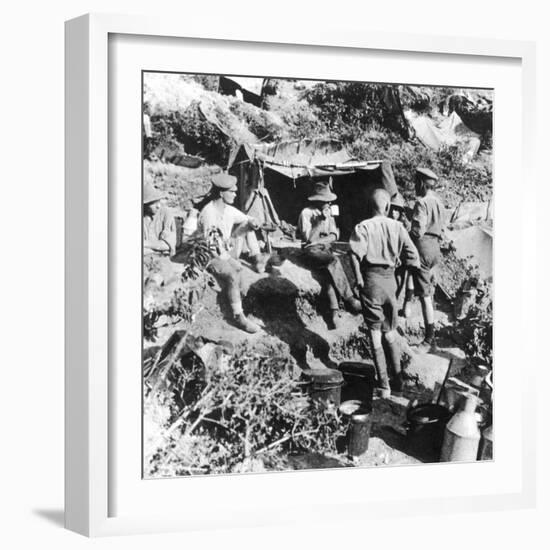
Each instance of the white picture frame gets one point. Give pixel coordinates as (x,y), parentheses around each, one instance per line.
(90,398)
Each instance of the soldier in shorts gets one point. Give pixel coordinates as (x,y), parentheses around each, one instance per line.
(228,230)
(377,244)
(427,226)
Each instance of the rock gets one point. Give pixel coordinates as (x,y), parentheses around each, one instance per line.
(457,356)
(301,278)
(413,327)
(427,370)
(380,453)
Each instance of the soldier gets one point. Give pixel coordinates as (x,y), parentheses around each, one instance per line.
(377,244)
(397,210)
(317,229)
(403,276)
(228,230)
(427,226)
(159,229)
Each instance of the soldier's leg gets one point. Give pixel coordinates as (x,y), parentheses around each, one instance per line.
(389,332)
(409,295)
(379,358)
(395,362)
(322,257)
(429,252)
(427,309)
(341,284)
(332,298)
(317,257)
(252,243)
(228,276)
(245,238)
(372,299)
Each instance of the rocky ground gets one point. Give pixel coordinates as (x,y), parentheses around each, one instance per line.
(286,304)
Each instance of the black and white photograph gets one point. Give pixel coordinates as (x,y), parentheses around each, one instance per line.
(317,274)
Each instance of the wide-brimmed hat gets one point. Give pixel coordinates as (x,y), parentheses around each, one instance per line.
(224,181)
(321,192)
(151,194)
(426,173)
(397,201)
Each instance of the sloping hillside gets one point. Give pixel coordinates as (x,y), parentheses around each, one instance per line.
(195,129)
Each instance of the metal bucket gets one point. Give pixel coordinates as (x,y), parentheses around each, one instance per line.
(325,385)
(359,425)
(425,428)
(359,382)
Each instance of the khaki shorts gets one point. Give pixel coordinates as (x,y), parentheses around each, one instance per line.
(378,298)
(430,254)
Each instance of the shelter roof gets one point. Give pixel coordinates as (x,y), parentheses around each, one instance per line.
(308,157)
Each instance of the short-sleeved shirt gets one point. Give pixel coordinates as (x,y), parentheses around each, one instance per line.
(223,220)
(312,225)
(160,227)
(428,216)
(381,241)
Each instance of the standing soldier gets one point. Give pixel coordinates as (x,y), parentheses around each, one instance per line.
(427,226)
(397,210)
(403,276)
(377,244)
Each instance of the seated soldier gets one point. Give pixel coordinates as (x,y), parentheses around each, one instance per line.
(228,230)
(317,230)
(377,245)
(159,229)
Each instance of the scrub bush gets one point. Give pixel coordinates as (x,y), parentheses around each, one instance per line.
(235,415)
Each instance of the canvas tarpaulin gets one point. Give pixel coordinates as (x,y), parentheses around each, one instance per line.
(447,131)
(315,158)
(468,213)
(475,243)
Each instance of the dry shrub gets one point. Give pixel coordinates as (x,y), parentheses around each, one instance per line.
(458,181)
(181,185)
(238,413)
(300,119)
(265,125)
(166,93)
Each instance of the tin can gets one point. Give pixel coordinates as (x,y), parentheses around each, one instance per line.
(359,425)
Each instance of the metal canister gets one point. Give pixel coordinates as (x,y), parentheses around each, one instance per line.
(325,385)
(461,439)
(425,427)
(359,381)
(359,425)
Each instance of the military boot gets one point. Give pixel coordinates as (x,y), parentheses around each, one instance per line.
(245,324)
(383,389)
(396,383)
(259,262)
